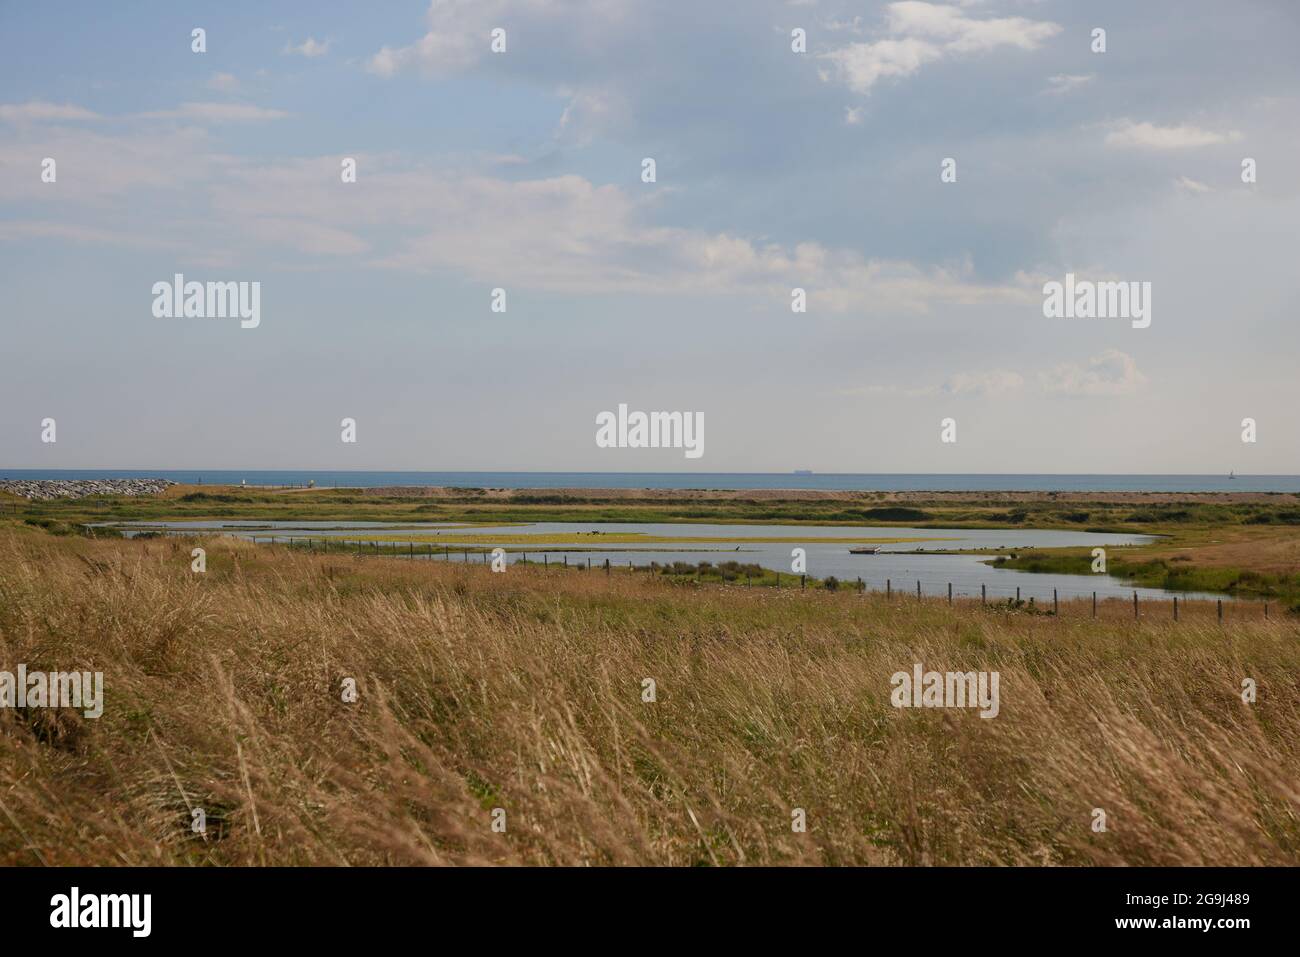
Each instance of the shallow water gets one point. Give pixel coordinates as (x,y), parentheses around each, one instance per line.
(897,564)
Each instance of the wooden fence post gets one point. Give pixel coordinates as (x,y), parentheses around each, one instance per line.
(1135,606)
(984,594)
(1055,607)
(950,593)
(1094,604)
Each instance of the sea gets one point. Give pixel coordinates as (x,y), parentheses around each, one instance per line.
(829,481)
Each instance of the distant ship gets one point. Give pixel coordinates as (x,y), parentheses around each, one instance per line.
(865,550)
(803,472)
(1232,474)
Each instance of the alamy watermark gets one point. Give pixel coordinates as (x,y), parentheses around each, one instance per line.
(179,299)
(948,689)
(75,909)
(1084,299)
(651,430)
(53,689)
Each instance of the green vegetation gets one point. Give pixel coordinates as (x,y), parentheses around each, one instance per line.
(56,527)
(346,505)
(733,572)
(1173,574)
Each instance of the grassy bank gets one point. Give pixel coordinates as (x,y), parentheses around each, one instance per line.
(524,691)
(1178,573)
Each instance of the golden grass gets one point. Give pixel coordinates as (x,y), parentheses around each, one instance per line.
(523,691)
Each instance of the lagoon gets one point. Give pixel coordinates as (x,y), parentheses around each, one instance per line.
(928,555)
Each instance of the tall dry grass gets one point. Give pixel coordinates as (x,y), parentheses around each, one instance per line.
(523,691)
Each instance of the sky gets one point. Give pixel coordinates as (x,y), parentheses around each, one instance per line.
(522,171)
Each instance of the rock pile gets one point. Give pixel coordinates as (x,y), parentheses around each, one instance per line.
(44,489)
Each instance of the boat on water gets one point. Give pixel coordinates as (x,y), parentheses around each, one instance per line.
(865,550)
(1232,474)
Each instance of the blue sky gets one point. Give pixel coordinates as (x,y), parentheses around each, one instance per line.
(775,169)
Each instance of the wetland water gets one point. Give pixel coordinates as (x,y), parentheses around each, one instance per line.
(896,561)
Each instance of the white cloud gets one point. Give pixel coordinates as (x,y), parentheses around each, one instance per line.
(217,113)
(37,110)
(861,65)
(974,384)
(147,159)
(877,389)
(307,236)
(1111,373)
(587,112)
(1190,185)
(565,233)
(311,47)
(1064,83)
(434,52)
(983,383)
(28,230)
(223,83)
(917,33)
(459,31)
(1130,135)
(561,233)
(962,34)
